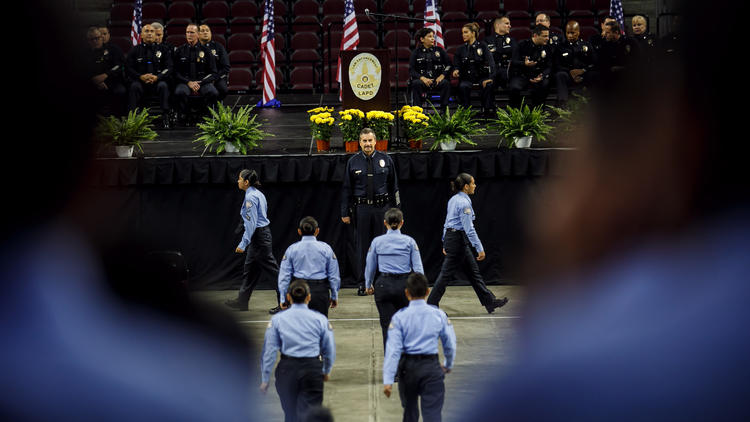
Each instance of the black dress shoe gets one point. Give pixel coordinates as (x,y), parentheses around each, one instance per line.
(361,290)
(496,303)
(236,305)
(275,310)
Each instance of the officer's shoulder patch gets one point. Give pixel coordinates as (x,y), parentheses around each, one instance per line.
(467,210)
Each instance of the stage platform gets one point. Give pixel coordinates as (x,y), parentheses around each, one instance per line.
(290,126)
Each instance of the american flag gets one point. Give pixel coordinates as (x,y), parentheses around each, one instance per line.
(135,26)
(615,9)
(268,57)
(430,12)
(350,38)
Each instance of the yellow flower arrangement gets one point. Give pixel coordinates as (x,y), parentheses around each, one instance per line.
(319,110)
(414,121)
(321,125)
(352,122)
(381,123)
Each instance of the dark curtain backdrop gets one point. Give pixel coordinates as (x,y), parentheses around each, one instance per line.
(192,205)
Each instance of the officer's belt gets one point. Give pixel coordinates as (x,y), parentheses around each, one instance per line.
(308,281)
(453,230)
(378,201)
(395,275)
(283,356)
(419,357)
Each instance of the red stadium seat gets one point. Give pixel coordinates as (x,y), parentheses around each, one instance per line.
(121,14)
(487,6)
(368,40)
(154,11)
(404,38)
(244,16)
(240,79)
(454,6)
(583,17)
(400,7)
(215,9)
(545,5)
(305,40)
(520,33)
(303,78)
(515,5)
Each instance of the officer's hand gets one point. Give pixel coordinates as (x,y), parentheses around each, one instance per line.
(195,86)
(371,291)
(481,256)
(455,73)
(346,220)
(239,250)
(528,62)
(444,253)
(485,83)
(283,305)
(326,377)
(387,390)
(99,79)
(264,387)
(333,303)
(439,79)
(445,370)
(425,80)
(536,80)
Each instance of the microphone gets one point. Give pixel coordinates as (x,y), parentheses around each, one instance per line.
(367,12)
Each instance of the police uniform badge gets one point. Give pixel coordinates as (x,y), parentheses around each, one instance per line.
(213,52)
(437,54)
(627,49)
(507,40)
(105,52)
(479,51)
(544,53)
(585,49)
(201,54)
(554,38)
(650,42)
(382,162)
(158,54)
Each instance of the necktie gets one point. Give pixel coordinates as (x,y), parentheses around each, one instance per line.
(370,175)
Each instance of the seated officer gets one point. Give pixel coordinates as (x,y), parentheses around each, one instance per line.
(576,63)
(148,69)
(502,46)
(220,55)
(429,69)
(617,53)
(412,351)
(537,58)
(473,65)
(106,69)
(195,72)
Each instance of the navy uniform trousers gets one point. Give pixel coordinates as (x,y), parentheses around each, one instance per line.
(459,253)
(258,258)
(299,382)
(368,223)
(421,376)
(389,298)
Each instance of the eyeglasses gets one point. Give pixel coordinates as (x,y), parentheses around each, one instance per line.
(94,38)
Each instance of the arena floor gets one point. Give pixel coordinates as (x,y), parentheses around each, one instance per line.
(485,342)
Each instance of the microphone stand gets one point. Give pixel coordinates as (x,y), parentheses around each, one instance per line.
(396,18)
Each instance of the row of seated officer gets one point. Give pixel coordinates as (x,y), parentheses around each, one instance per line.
(198,68)
(548,59)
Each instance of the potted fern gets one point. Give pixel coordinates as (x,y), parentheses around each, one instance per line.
(518,126)
(447,130)
(126,132)
(227,131)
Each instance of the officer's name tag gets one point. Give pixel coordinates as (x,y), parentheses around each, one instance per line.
(357,171)
(565,54)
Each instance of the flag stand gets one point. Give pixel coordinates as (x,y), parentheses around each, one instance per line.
(397,138)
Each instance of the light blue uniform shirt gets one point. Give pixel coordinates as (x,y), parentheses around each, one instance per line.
(414,330)
(312,260)
(461,216)
(254,213)
(298,332)
(393,253)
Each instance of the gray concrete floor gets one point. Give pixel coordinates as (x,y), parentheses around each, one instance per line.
(354,393)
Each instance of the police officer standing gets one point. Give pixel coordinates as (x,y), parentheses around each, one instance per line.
(314,262)
(537,58)
(429,68)
(394,256)
(503,48)
(256,241)
(195,72)
(370,187)
(412,353)
(220,55)
(473,64)
(303,336)
(148,69)
(461,244)
(576,63)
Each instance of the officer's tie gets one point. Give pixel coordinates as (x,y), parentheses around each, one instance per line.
(370,175)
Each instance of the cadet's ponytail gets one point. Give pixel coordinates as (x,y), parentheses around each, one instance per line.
(250,176)
(461,180)
(307,226)
(299,290)
(394,217)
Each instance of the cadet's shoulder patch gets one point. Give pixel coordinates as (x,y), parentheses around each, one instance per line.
(248,204)
(283,258)
(330,327)
(390,326)
(270,324)
(334,255)
(467,210)
(448,320)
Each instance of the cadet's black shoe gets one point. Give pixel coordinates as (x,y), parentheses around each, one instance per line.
(361,290)
(274,310)
(236,305)
(496,303)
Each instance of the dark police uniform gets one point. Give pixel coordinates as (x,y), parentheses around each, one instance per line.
(576,55)
(475,64)
(502,48)
(616,56)
(430,63)
(412,352)
(394,256)
(544,57)
(148,58)
(646,45)
(304,337)
(110,61)
(370,188)
(314,262)
(222,67)
(194,63)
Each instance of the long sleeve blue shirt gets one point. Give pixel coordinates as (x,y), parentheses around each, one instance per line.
(393,253)
(310,259)
(460,216)
(254,213)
